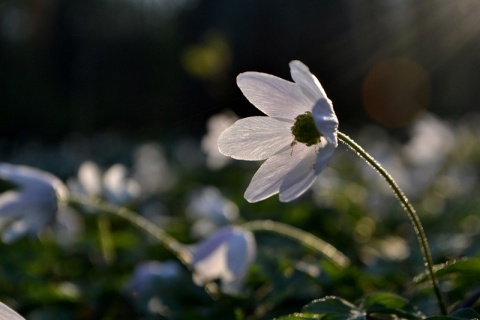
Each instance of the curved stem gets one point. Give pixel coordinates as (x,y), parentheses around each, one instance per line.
(178,249)
(308,239)
(409,209)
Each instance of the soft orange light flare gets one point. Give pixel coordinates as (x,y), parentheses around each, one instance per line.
(395,91)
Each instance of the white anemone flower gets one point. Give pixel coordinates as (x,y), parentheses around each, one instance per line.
(226,255)
(297,139)
(115,185)
(216,124)
(210,210)
(32,204)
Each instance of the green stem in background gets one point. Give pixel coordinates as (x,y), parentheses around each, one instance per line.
(409,209)
(106,240)
(178,249)
(307,239)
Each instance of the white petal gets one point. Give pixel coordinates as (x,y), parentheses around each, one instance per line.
(273,96)
(33,180)
(269,178)
(89,176)
(211,267)
(11,204)
(209,256)
(255,138)
(241,251)
(323,156)
(309,84)
(7,313)
(325,120)
(301,178)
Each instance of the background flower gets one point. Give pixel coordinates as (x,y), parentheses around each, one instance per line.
(226,255)
(215,126)
(114,185)
(32,204)
(210,210)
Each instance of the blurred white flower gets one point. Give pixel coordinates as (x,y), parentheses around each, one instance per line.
(153,284)
(146,273)
(226,255)
(425,153)
(114,185)
(215,126)
(431,140)
(32,205)
(297,139)
(118,187)
(7,313)
(210,210)
(151,169)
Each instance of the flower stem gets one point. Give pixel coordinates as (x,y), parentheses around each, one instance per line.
(178,249)
(409,209)
(307,239)
(106,240)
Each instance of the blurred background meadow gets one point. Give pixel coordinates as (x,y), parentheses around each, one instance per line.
(137,91)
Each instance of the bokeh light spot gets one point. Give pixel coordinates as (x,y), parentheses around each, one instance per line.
(395,91)
(207,60)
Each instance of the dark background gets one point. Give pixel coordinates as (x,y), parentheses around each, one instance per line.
(159,68)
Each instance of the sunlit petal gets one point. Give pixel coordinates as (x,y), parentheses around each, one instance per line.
(309,84)
(269,178)
(301,177)
(7,313)
(276,97)
(255,138)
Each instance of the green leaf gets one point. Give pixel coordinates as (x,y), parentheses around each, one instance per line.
(462,314)
(386,303)
(334,308)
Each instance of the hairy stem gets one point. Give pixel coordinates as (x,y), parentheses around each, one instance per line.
(178,249)
(408,208)
(307,239)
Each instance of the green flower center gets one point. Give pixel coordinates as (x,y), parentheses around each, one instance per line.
(304,130)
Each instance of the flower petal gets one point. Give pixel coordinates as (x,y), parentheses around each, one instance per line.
(323,156)
(269,178)
(255,138)
(33,180)
(326,120)
(209,245)
(276,97)
(301,178)
(309,84)
(241,252)
(7,313)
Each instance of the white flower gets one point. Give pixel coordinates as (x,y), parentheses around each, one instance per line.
(215,126)
(297,138)
(210,210)
(226,255)
(114,185)
(151,169)
(145,274)
(32,204)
